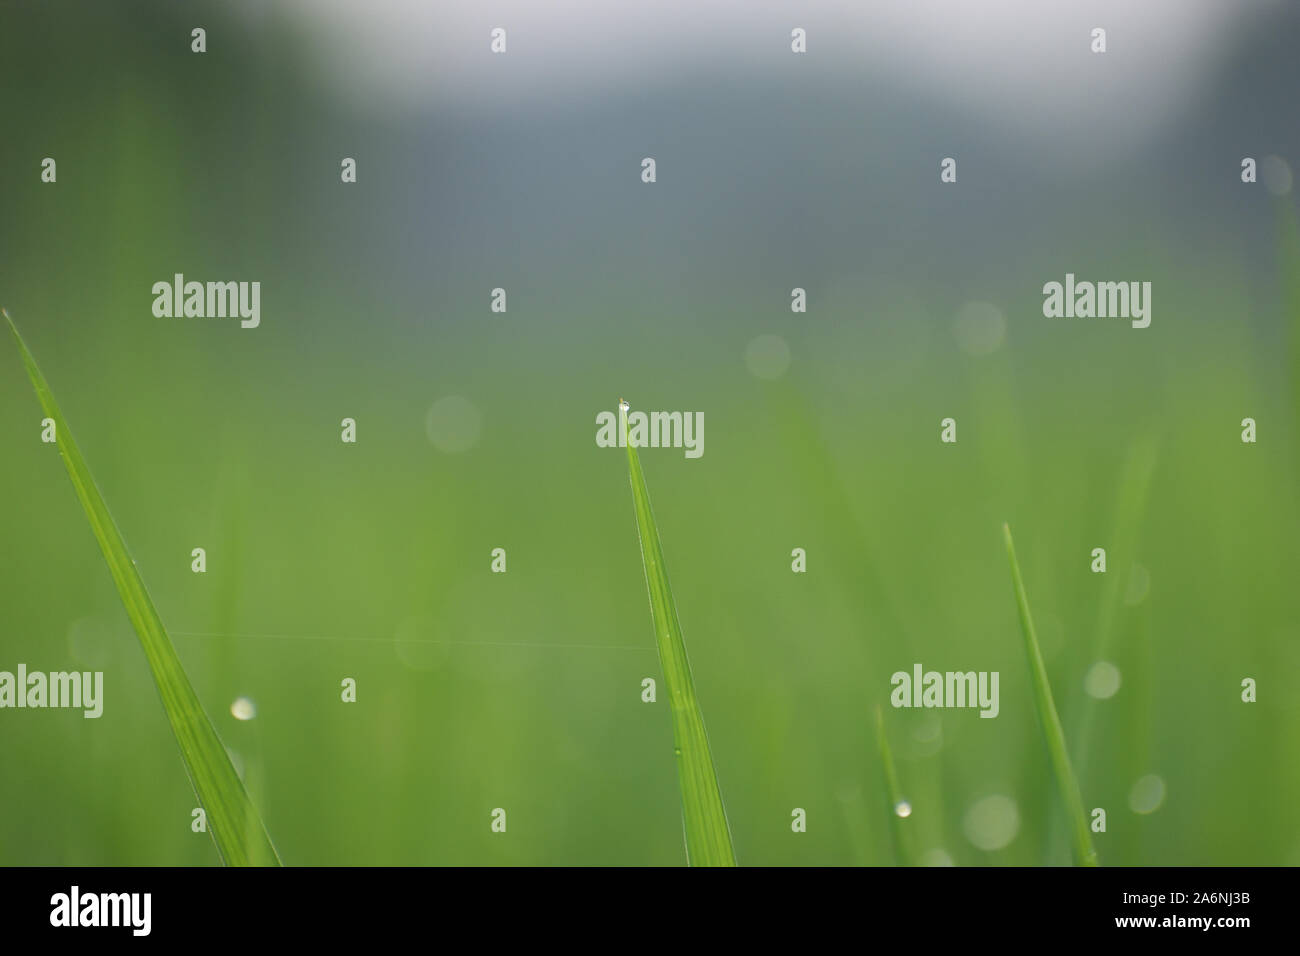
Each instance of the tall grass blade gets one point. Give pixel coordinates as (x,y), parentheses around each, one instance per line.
(236,828)
(1084,854)
(897,826)
(708,839)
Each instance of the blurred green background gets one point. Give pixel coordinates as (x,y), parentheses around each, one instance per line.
(522,690)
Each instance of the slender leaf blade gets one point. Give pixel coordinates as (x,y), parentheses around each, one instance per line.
(704,820)
(1084,854)
(904,855)
(232,820)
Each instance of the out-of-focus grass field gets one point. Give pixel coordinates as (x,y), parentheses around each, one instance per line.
(522,691)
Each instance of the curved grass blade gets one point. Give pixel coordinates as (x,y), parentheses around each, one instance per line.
(1084,854)
(233,821)
(708,839)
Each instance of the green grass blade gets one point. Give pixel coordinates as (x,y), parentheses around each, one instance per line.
(897,824)
(233,821)
(1084,854)
(708,839)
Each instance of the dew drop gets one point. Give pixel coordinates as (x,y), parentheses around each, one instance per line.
(980,328)
(767,356)
(1147,795)
(992,823)
(453,424)
(1103,680)
(1139,584)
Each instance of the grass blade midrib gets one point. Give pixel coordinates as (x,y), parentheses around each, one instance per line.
(704,819)
(1049,720)
(232,820)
